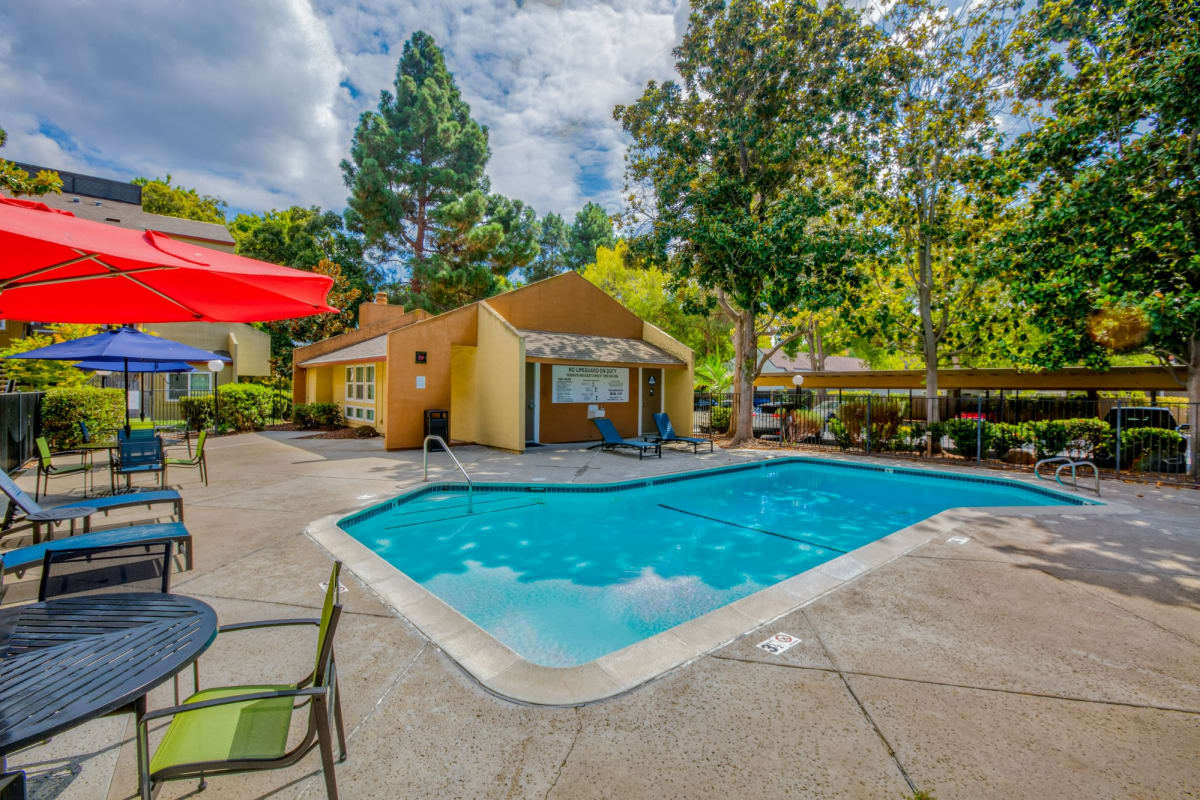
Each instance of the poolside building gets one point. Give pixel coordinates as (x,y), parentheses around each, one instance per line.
(530,366)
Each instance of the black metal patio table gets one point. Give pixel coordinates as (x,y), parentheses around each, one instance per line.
(72,659)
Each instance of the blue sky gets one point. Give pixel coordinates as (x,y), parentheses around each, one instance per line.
(256,102)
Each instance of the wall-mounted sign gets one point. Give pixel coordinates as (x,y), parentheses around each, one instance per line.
(590,384)
(420,381)
(421,357)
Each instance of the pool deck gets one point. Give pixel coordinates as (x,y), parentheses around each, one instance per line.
(1049,655)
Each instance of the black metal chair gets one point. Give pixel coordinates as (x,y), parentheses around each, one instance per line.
(112,568)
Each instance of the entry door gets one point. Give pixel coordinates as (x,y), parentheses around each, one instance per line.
(652,393)
(531,402)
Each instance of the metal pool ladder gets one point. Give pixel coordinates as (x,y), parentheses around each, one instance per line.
(1073,464)
(457,463)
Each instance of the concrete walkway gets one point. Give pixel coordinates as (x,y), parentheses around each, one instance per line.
(1057,657)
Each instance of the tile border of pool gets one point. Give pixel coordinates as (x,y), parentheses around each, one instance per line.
(505,673)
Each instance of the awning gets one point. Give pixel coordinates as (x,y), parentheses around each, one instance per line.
(550,346)
(366,350)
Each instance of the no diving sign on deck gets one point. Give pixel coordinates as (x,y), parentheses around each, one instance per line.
(778,643)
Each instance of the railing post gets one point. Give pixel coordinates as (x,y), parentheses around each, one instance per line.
(1119,415)
(979,429)
(868,429)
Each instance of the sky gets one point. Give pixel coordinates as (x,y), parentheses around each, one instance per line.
(256,102)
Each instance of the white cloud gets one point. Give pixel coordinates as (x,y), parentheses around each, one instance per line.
(249,101)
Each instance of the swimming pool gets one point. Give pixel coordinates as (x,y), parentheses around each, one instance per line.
(564,574)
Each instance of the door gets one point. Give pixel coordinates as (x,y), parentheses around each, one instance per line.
(531,403)
(651,399)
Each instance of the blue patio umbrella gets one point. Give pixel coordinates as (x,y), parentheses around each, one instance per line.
(140,366)
(122,348)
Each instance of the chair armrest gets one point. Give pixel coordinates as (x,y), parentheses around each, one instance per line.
(266,623)
(223,701)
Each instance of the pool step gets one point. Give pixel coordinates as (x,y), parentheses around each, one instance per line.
(462,513)
(423,507)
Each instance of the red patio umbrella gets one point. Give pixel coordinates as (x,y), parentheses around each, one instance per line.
(57,267)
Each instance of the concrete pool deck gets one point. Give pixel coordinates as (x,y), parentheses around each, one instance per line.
(1047,655)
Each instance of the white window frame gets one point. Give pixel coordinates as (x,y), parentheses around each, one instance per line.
(174,395)
(359,399)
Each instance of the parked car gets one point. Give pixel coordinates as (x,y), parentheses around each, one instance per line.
(1170,460)
(1141,417)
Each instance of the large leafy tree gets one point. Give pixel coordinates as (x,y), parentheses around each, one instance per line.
(160,196)
(949,69)
(38,374)
(316,240)
(592,229)
(16,181)
(554,243)
(414,164)
(1107,254)
(732,170)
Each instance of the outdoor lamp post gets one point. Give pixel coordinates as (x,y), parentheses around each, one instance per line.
(215,366)
(798,380)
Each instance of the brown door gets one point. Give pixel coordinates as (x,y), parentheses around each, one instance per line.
(652,389)
(531,402)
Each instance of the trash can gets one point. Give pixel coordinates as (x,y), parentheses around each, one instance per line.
(437,423)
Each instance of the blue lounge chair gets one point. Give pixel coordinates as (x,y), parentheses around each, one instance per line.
(610,439)
(666,433)
(23,558)
(19,500)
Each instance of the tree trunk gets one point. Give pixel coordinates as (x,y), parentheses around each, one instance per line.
(747,342)
(929,338)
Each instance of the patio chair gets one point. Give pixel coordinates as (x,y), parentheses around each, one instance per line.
(666,434)
(610,439)
(110,568)
(135,434)
(138,456)
(18,499)
(198,461)
(47,469)
(233,729)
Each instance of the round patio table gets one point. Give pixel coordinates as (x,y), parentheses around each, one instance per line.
(49,516)
(71,659)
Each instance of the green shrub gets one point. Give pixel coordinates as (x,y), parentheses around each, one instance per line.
(802,425)
(317,415)
(967,435)
(1086,435)
(1049,437)
(1152,449)
(64,409)
(365,432)
(1006,437)
(910,437)
(197,412)
(718,420)
(840,434)
(244,406)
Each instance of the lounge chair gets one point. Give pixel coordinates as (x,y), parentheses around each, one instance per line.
(18,499)
(666,434)
(198,461)
(33,555)
(610,439)
(231,729)
(47,469)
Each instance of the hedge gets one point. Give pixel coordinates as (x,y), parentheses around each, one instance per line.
(102,410)
(197,411)
(317,415)
(244,406)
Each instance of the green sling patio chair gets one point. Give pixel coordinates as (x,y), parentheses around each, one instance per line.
(198,461)
(47,469)
(234,729)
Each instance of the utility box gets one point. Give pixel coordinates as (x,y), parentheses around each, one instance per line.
(437,423)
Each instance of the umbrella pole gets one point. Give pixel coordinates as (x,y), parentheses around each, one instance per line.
(125,388)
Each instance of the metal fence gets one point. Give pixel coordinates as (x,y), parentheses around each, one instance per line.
(1119,435)
(164,404)
(20,423)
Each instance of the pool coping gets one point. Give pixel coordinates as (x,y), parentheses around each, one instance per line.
(503,672)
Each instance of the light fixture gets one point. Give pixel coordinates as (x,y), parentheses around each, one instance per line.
(798,380)
(216,365)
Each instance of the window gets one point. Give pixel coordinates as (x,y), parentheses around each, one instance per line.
(360,392)
(184,384)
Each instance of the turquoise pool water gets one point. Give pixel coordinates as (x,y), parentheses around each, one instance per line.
(564,576)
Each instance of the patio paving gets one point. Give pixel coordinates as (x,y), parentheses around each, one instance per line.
(1048,656)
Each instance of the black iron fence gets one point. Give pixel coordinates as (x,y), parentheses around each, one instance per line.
(1118,435)
(181,403)
(20,423)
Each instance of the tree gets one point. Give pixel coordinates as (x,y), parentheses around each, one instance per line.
(554,242)
(160,197)
(648,292)
(593,228)
(37,374)
(419,152)
(1107,253)
(16,181)
(949,71)
(315,240)
(712,373)
(734,173)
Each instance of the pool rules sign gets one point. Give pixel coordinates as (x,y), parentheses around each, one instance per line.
(590,384)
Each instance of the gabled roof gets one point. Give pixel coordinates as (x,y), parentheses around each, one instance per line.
(367,350)
(578,347)
(802,363)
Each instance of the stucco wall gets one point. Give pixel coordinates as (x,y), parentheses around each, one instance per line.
(677,383)
(249,347)
(567,303)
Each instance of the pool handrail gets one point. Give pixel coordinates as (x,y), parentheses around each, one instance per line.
(457,463)
(1073,464)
